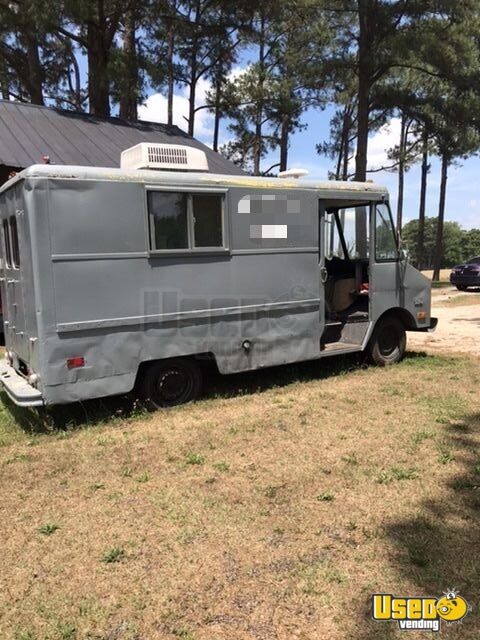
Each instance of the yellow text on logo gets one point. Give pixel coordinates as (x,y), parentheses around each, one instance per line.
(388,607)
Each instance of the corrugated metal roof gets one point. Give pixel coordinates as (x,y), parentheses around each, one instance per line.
(28,132)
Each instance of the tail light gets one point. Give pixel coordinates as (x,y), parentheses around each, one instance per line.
(76,362)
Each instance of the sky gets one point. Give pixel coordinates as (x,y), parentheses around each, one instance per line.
(463,192)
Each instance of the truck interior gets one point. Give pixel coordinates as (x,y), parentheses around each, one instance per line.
(347,246)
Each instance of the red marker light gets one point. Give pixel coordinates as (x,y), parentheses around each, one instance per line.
(74,363)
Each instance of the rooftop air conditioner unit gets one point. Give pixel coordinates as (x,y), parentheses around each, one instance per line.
(176,157)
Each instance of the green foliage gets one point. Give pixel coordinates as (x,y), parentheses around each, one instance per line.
(48,528)
(115,554)
(327,496)
(194,459)
(222,466)
(459,244)
(397,473)
(266,101)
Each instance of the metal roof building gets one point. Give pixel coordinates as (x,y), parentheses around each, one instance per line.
(30,132)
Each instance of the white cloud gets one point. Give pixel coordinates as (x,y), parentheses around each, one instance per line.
(155,109)
(236,72)
(382,140)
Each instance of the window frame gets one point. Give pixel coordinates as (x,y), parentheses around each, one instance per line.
(395,236)
(7,243)
(192,249)
(14,243)
(335,212)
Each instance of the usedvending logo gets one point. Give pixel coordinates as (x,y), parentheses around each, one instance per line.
(420,613)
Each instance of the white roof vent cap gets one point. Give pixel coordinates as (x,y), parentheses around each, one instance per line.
(166,157)
(293,173)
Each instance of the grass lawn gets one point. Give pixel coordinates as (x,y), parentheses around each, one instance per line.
(271,510)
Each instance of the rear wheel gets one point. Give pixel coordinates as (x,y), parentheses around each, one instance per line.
(388,342)
(171,382)
(461,287)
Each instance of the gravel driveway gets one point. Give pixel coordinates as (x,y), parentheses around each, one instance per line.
(458,327)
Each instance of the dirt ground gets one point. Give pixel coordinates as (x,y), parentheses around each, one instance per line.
(458,327)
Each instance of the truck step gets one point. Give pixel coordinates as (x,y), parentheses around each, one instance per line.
(330,347)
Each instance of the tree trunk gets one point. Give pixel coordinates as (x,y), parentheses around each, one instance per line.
(361,220)
(362,134)
(34,76)
(257,145)
(217,113)
(77,87)
(423,200)
(401,173)
(341,150)
(193,72)
(346,146)
(364,86)
(191,101)
(98,85)
(98,58)
(4,79)
(284,135)
(170,73)
(128,99)
(338,170)
(438,257)
(5,91)
(363,116)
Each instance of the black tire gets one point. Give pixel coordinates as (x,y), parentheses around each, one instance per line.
(461,287)
(168,383)
(388,342)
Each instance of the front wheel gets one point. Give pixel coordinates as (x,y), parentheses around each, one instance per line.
(388,342)
(461,287)
(171,382)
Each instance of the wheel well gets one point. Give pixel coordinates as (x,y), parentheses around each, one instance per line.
(403,315)
(203,359)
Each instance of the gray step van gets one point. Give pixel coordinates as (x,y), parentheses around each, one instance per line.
(115,279)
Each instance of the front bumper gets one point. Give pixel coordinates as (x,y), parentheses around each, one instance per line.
(468,280)
(430,328)
(17,388)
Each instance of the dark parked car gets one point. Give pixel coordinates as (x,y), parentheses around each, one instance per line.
(466,275)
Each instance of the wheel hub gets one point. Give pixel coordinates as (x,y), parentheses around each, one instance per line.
(173,384)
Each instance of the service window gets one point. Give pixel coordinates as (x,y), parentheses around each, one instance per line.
(185,221)
(386,248)
(208,220)
(15,245)
(168,220)
(8,246)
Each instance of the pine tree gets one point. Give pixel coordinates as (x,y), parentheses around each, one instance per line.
(94,25)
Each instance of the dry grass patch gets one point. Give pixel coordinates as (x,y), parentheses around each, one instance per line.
(464,300)
(255,516)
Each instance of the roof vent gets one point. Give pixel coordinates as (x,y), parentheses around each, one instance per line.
(147,155)
(293,173)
